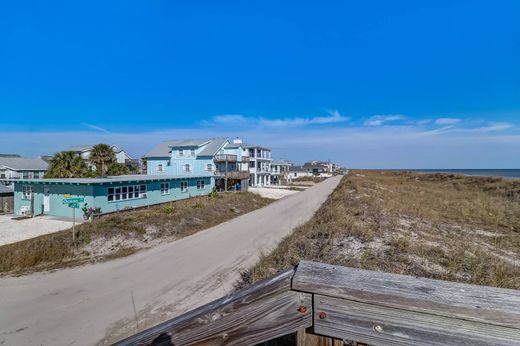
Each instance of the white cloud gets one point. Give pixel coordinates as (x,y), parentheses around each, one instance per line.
(447,121)
(240,120)
(487,146)
(378,120)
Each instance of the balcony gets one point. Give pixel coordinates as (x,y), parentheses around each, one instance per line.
(230,158)
(225,158)
(233,175)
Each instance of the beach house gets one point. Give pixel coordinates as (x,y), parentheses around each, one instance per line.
(259,165)
(226,160)
(122,156)
(110,194)
(17,167)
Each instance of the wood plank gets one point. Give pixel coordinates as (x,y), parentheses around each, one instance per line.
(310,339)
(378,325)
(477,303)
(261,312)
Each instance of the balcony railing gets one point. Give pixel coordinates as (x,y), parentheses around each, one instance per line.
(225,157)
(230,158)
(233,175)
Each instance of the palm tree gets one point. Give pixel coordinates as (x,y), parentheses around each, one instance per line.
(67,164)
(102,156)
(117,169)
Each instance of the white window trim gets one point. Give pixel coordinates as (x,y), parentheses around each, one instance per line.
(159,167)
(184,189)
(201,184)
(189,167)
(118,197)
(166,189)
(27,191)
(209,167)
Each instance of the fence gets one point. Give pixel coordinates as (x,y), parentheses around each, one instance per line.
(329,305)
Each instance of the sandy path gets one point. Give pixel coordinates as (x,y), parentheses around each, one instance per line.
(93,304)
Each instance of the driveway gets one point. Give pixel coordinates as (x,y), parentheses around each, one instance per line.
(12,231)
(104,302)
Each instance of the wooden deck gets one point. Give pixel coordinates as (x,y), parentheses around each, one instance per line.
(327,305)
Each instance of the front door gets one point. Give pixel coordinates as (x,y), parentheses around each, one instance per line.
(46,200)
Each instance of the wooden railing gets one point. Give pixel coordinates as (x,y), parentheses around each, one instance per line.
(329,305)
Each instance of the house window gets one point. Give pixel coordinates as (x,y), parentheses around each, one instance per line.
(125,192)
(192,152)
(187,167)
(251,164)
(209,167)
(184,186)
(2,174)
(181,152)
(200,184)
(159,167)
(25,175)
(27,192)
(165,189)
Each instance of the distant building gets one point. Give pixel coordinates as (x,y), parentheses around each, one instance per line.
(16,167)
(280,172)
(296,172)
(259,165)
(122,156)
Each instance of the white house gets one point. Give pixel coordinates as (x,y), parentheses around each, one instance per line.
(121,155)
(259,165)
(16,167)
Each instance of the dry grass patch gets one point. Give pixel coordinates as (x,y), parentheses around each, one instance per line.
(125,233)
(440,226)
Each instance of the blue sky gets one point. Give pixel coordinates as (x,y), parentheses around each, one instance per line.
(376,84)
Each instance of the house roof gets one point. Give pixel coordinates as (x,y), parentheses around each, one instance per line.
(214,146)
(296,169)
(251,146)
(24,163)
(6,189)
(163,149)
(87,147)
(108,180)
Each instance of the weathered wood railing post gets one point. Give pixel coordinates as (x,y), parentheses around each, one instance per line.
(325,305)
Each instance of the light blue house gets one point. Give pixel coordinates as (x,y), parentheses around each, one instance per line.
(45,196)
(227,160)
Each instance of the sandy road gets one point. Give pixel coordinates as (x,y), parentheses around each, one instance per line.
(95,303)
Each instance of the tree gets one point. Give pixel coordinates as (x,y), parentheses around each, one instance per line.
(102,156)
(67,164)
(117,169)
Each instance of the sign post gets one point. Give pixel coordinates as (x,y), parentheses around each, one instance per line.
(73,203)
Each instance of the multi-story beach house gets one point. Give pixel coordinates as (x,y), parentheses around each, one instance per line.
(259,165)
(226,160)
(280,171)
(122,156)
(16,167)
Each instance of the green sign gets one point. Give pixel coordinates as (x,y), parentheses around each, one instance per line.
(73,200)
(74,205)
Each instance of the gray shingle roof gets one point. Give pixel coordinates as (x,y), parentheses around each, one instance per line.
(87,147)
(164,148)
(214,146)
(251,146)
(24,163)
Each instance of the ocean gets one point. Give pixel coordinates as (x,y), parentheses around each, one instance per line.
(504,173)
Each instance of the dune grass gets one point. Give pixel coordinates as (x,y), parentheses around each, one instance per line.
(441,226)
(124,233)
